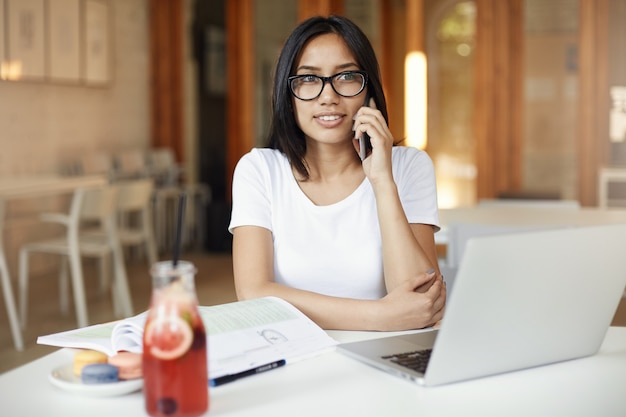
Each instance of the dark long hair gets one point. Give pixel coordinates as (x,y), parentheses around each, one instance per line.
(285,135)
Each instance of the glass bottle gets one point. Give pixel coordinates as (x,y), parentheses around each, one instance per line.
(174,345)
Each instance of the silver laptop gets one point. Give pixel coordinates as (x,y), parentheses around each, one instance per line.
(519,301)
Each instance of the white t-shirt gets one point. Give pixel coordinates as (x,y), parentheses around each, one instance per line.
(335,249)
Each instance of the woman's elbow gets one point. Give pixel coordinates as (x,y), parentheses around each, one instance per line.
(248,292)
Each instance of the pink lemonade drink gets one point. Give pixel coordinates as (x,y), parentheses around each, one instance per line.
(174,346)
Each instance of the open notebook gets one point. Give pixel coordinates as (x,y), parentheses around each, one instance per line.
(519,301)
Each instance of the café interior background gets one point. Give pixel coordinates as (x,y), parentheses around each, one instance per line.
(47,121)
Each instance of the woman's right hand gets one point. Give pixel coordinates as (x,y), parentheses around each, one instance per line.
(417,303)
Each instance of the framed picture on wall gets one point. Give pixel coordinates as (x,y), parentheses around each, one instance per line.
(96,67)
(25,44)
(63,40)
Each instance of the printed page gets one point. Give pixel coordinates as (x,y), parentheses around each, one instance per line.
(256,332)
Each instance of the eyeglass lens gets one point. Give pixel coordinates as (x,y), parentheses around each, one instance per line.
(347,84)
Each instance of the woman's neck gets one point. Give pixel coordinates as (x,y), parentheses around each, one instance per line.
(333,176)
(331,163)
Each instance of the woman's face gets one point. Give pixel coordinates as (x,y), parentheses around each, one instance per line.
(327,118)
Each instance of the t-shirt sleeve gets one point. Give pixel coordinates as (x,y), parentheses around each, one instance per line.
(251,193)
(417,187)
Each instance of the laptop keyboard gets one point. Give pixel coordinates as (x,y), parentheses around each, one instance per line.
(417,360)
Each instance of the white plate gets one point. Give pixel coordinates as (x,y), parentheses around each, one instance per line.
(64,378)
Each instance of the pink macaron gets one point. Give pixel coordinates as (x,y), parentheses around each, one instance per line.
(128,364)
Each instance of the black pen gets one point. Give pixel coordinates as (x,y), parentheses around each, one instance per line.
(221,380)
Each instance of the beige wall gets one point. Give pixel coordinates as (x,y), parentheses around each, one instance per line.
(43,124)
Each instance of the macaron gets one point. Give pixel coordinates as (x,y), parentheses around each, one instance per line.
(87,357)
(99,373)
(128,364)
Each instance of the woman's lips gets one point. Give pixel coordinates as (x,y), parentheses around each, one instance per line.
(329,120)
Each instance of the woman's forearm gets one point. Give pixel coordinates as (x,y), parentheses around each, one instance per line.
(407,251)
(332,313)
(403,309)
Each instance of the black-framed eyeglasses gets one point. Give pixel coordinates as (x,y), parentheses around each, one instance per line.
(309,87)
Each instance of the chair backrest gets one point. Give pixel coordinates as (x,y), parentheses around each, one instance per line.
(98,204)
(134,195)
(131,164)
(163,166)
(162,159)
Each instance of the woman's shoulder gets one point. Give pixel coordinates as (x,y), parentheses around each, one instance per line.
(264,153)
(263,157)
(410,164)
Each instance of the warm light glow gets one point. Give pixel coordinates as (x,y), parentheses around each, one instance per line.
(456,179)
(11,70)
(415,99)
(446,196)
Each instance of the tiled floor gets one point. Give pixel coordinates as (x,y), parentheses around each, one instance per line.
(214,285)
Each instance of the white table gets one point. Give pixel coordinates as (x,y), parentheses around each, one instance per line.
(334,385)
(31,187)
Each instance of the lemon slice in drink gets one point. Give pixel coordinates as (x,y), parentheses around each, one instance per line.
(168,337)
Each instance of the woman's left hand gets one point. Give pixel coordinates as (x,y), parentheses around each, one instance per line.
(377,165)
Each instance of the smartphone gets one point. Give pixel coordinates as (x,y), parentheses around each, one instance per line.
(365,146)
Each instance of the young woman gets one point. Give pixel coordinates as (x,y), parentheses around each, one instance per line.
(349,242)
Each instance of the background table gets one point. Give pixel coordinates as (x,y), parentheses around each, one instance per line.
(332,384)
